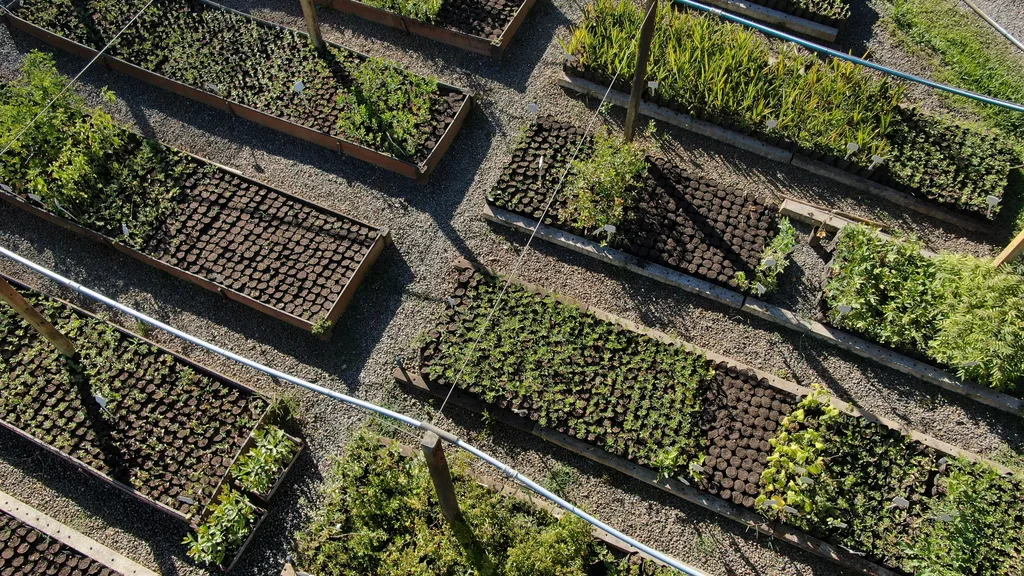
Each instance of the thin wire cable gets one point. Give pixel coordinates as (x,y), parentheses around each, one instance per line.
(540,221)
(73,80)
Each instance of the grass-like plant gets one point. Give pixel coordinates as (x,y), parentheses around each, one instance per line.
(603,183)
(425,10)
(259,468)
(224,531)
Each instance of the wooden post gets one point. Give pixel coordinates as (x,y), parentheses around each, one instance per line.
(640,75)
(1011,252)
(441,476)
(32,316)
(313,24)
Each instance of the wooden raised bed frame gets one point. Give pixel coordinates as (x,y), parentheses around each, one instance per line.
(469,42)
(383,241)
(420,173)
(198,368)
(748,518)
(785,20)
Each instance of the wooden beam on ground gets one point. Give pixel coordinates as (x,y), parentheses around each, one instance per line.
(36,320)
(1011,252)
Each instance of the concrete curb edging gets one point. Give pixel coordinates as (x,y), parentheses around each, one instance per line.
(783,19)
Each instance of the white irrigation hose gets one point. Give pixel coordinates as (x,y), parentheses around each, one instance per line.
(508,471)
(995,24)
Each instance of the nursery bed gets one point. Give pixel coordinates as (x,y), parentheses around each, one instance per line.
(785,15)
(269,250)
(742,412)
(688,224)
(572,79)
(34,543)
(481,26)
(146,420)
(311,115)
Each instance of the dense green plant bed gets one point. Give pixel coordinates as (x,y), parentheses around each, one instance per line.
(968,53)
(379,516)
(274,70)
(27,551)
(838,477)
(661,213)
(830,111)
(77,164)
(954,309)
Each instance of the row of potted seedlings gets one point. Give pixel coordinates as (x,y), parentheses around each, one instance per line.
(365,107)
(482,26)
(646,207)
(378,511)
(207,224)
(826,111)
(954,310)
(727,431)
(25,550)
(178,436)
(833,13)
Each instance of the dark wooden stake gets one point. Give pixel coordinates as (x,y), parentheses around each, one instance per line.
(313,24)
(640,75)
(33,317)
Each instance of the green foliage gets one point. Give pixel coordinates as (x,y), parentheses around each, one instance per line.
(836,9)
(385,107)
(840,474)
(972,527)
(954,309)
(81,164)
(601,185)
(425,10)
(322,326)
(224,531)
(775,257)
(258,469)
(970,55)
(629,394)
(560,479)
(379,516)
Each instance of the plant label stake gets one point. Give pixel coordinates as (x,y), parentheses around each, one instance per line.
(35,198)
(790,510)
(653,85)
(5,188)
(772,124)
(769,262)
(36,320)
(696,468)
(521,412)
(945,517)
(844,309)
(532,108)
(761,289)
(805,481)
(851,149)
(876,161)
(971,364)
(900,502)
(992,202)
(124,230)
(607,228)
(186,500)
(841,525)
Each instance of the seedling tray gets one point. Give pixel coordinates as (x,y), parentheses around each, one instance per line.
(741,392)
(37,544)
(574,80)
(247,241)
(182,510)
(419,172)
(783,14)
(261,513)
(264,499)
(481,26)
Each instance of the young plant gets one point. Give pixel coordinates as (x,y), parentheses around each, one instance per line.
(602,185)
(227,528)
(775,257)
(258,469)
(425,10)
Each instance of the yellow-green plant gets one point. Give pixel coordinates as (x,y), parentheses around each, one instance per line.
(603,184)
(425,10)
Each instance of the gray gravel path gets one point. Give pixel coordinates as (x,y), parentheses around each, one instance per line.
(432,225)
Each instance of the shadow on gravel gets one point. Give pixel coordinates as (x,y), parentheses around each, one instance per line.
(856,36)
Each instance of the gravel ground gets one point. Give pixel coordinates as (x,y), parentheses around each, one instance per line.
(432,225)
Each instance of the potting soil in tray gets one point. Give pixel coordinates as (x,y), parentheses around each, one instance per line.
(25,551)
(849,480)
(690,224)
(271,69)
(134,413)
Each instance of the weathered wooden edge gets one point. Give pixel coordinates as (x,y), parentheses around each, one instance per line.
(885,356)
(752,144)
(513,26)
(787,21)
(380,243)
(749,519)
(72,538)
(616,257)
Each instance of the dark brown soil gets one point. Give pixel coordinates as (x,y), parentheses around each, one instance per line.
(26,551)
(484,18)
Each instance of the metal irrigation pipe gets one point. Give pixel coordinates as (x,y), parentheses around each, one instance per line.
(837,54)
(994,24)
(505,469)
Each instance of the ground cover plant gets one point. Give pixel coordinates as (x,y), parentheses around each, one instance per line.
(425,10)
(77,163)
(829,12)
(954,309)
(378,515)
(844,479)
(274,70)
(832,111)
(28,551)
(124,407)
(657,211)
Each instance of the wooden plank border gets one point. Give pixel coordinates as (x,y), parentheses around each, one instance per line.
(787,21)
(72,538)
(756,146)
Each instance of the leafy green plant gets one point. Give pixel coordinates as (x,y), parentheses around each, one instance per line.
(775,257)
(258,469)
(425,10)
(560,479)
(226,529)
(602,184)
(322,326)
